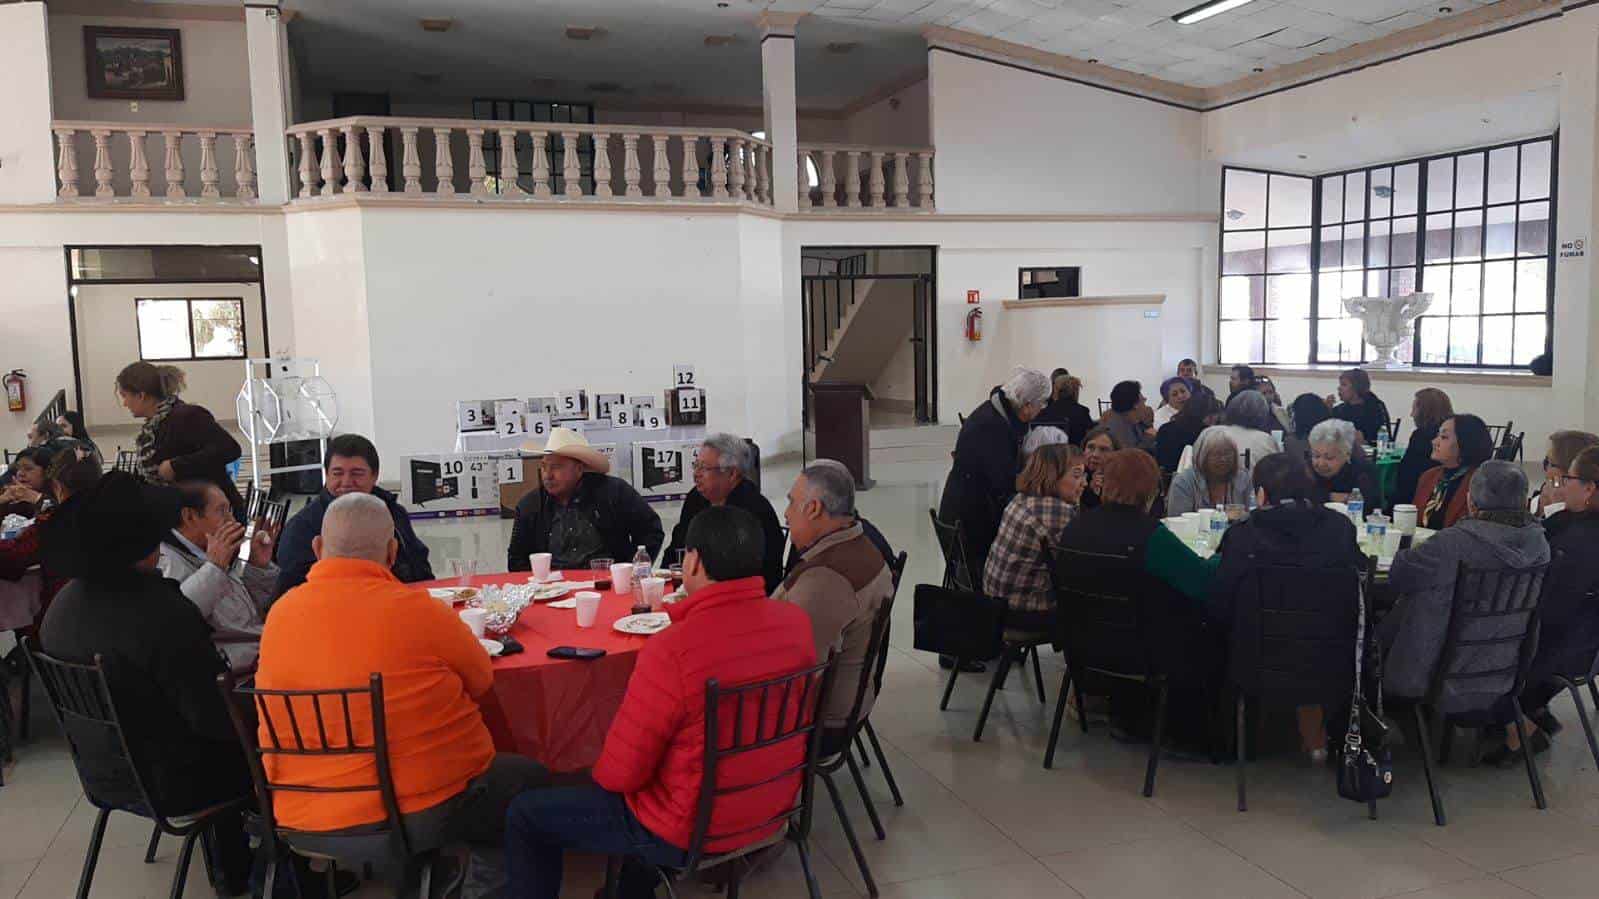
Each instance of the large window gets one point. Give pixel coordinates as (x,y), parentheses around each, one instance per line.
(185,329)
(1472,228)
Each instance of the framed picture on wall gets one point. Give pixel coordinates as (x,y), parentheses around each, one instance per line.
(133,63)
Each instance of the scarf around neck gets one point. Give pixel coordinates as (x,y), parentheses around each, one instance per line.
(149,466)
(1442,493)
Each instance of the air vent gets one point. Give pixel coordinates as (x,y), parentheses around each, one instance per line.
(719,40)
(583,32)
(842,46)
(436,26)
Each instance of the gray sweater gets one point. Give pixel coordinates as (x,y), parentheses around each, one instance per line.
(232,602)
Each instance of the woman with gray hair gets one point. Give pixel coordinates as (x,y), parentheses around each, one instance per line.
(988,458)
(1248,422)
(1340,464)
(1216,479)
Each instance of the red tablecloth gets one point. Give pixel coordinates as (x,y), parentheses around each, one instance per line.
(558,710)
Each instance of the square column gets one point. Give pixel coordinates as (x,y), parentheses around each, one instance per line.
(1576,326)
(781,119)
(269,109)
(27,150)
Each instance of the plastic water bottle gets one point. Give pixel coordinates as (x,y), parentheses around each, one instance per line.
(1382,444)
(641,570)
(1357,507)
(1218,527)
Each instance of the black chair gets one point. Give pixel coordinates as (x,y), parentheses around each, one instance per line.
(289,717)
(82,701)
(897,568)
(1494,618)
(796,701)
(1103,621)
(1392,427)
(1104,407)
(126,461)
(957,571)
(1499,432)
(1571,683)
(1511,449)
(1293,642)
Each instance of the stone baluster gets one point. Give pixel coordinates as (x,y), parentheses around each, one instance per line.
(210,175)
(67,162)
(476,168)
(307,166)
(691,166)
(661,176)
(902,180)
(541,167)
(410,162)
(571,166)
(244,165)
(602,166)
(173,163)
(102,164)
(735,158)
(443,162)
(330,161)
(509,169)
(829,178)
(631,171)
(804,181)
(763,180)
(852,179)
(876,180)
(376,137)
(354,161)
(924,179)
(139,166)
(750,166)
(719,168)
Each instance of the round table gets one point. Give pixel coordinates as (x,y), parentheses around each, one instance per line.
(557,711)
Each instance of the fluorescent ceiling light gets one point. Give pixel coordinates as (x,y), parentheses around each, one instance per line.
(1205,10)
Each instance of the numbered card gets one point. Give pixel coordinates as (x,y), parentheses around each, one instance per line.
(683,375)
(690,401)
(541,404)
(510,418)
(508,471)
(604,402)
(570,404)
(652,419)
(538,426)
(470,416)
(623,416)
(642,400)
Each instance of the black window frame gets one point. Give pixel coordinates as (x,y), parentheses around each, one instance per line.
(1024,271)
(1265,274)
(504,109)
(244,330)
(1422,212)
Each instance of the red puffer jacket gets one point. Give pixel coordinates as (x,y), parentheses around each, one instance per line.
(654,753)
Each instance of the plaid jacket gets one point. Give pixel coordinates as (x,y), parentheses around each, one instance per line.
(1019,563)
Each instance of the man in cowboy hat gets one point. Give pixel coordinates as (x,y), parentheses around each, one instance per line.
(579,511)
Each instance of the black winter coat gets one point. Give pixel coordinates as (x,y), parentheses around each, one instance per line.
(1568,615)
(1068,415)
(1416,461)
(1370,417)
(295,556)
(983,478)
(199,449)
(620,515)
(748,497)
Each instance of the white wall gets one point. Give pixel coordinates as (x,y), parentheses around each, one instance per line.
(1010,141)
(27,161)
(108,339)
(216,82)
(900,119)
(327,261)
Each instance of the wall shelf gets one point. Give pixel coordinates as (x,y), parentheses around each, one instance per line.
(1152,299)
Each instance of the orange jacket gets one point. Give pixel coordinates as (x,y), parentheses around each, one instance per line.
(349,619)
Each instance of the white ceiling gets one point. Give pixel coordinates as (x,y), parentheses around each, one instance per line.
(655,49)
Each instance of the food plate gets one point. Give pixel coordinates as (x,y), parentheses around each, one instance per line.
(452,594)
(550,578)
(492,647)
(675,596)
(643,625)
(550,591)
(569,603)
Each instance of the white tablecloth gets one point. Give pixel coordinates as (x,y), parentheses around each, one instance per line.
(19,601)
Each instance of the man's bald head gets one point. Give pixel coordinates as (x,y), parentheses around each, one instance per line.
(358,526)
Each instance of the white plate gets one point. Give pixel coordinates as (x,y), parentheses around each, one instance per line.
(551,591)
(492,647)
(550,578)
(563,604)
(453,594)
(643,625)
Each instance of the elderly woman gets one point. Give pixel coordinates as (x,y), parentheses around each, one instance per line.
(1097,447)
(1248,422)
(1428,411)
(1462,444)
(1129,417)
(1174,395)
(1340,464)
(1019,565)
(1216,479)
(1040,437)
(1358,405)
(988,458)
(1564,447)
(1064,411)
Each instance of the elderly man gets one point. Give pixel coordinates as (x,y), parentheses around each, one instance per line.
(351,466)
(721,478)
(353,617)
(840,582)
(202,555)
(580,512)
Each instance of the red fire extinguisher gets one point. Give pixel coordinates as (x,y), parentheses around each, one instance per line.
(16,390)
(974,325)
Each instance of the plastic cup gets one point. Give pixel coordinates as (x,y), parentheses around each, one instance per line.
(1182,528)
(622,577)
(476,619)
(1390,546)
(540,563)
(1405,518)
(464,570)
(588,608)
(654,592)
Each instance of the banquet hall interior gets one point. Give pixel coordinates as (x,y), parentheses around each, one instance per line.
(911,236)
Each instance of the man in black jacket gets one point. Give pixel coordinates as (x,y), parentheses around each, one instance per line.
(351,466)
(987,460)
(721,478)
(580,512)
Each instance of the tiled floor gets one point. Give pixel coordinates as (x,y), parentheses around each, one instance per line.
(986,821)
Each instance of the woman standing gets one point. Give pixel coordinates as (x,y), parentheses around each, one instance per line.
(1216,480)
(1019,565)
(1340,466)
(1428,410)
(179,441)
(1462,444)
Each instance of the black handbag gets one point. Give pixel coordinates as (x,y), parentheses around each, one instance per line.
(1365,770)
(968,626)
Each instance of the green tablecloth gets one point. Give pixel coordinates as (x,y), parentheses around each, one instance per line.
(1388,477)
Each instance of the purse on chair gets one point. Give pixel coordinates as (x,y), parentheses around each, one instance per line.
(968,626)
(1365,765)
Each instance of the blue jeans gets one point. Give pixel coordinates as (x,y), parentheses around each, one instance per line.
(542,824)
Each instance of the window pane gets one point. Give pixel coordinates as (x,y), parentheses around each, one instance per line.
(1339,341)
(1290,202)
(1288,297)
(1502,175)
(1533,234)
(1532,285)
(1463,340)
(1501,233)
(1330,286)
(1288,250)
(1241,342)
(1468,180)
(1382,192)
(1354,245)
(1496,340)
(1332,253)
(1288,341)
(1535,165)
(1433,333)
(1355,197)
(1402,282)
(218,328)
(1236,294)
(1530,334)
(163,329)
(1245,200)
(1441,184)
(1468,235)
(1404,248)
(1377,245)
(1406,190)
(1436,282)
(1243,253)
(1439,232)
(1499,287)
(1332,200)
(1465,294)
(1377,283)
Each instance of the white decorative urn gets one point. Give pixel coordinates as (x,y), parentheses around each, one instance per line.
(1387,322)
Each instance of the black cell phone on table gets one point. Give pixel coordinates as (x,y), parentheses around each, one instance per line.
(575,652)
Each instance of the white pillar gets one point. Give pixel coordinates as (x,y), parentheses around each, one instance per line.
(1576,332)
(27,154)
(269,108)
(777,92)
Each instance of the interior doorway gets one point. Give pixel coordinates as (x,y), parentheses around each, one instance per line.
(870,318)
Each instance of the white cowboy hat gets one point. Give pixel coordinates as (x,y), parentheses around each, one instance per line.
(569,443)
